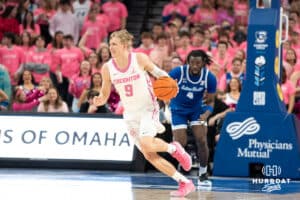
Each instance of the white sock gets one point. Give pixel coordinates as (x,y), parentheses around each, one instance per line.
(171,148)
(202,170)
(179,177)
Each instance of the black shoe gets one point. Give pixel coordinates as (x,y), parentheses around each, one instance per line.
(203,177)
(203,181)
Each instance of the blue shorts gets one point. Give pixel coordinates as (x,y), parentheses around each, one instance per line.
(181,118)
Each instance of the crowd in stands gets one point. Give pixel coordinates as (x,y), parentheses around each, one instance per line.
(51,51)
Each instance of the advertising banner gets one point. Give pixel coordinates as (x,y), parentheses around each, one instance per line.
(62,137)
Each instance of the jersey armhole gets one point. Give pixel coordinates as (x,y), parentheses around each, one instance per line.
(181,75)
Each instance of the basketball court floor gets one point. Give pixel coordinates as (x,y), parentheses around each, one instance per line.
(45,184)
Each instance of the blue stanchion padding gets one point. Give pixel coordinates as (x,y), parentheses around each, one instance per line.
(260,130)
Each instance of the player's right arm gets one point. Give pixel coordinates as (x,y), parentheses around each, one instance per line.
(105,89)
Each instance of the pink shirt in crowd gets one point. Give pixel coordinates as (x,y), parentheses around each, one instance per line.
(30,103)
(158,54)
(98,32)
(179,8)
(11,58)
(43,57)
(33,32)
(104,19)
(41,11)
(182,53)
(241,12)
(115,11)
(69,60)
(144,50)
(78,84)
(287,90)
(191,3)
(204,15)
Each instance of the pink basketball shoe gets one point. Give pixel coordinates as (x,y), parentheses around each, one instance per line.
(184,189)
(183,157)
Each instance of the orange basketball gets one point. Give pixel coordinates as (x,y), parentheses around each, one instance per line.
(165,88)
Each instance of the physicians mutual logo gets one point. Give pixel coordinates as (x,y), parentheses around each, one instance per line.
(260,36)
(247,127)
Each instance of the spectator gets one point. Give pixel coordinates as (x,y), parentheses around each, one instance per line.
(205,15)
(233,92)
(26,102)
(97,31)
(22,9)
(45,84)
(26,81)
(236,72)
(38,60)
(80,82)
(186,47)
(176,62)
(96,84)
(89,107)
(68,62)
(241,11)
(4,100)
(53,103)
(11,56)
(27,96)
(288,92)
(64,21)
(225,12)
(160,51)
(5,85)
(290,62)
(156,30)
(199,42)
(147,44)
(57,42)
(117,14)
(295,79)
(192,5)
(172,30)
(104,54)
(8,21)
(221,60)
(94,62)
(167,64)
(174,9)
(42,16)
(81,9)
(26,43)
(28,24)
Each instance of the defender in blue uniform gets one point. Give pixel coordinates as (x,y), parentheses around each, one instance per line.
(194,81)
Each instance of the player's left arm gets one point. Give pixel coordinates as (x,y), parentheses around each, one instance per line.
(146,64)
(210,99)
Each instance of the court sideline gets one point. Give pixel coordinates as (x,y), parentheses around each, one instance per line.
(37,184)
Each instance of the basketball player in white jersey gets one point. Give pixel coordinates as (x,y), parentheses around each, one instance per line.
(128,72)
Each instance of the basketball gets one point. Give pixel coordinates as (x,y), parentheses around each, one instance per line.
(165,88)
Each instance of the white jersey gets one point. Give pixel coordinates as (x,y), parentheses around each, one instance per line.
(133,85)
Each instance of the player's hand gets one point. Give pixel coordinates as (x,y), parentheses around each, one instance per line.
(98,100)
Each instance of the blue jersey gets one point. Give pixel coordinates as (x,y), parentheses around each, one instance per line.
(229,77)
(191,88)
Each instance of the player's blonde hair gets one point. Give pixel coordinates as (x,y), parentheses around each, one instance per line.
(124,36)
